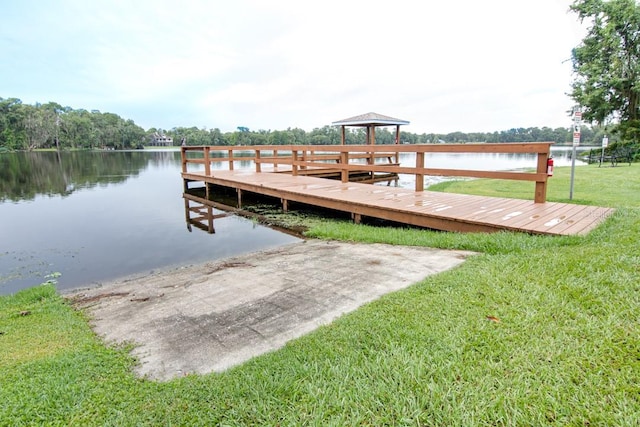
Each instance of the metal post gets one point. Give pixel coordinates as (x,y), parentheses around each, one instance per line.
(577,122)
(573,171)
(605,143)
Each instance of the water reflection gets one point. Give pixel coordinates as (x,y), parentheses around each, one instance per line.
(94,216)
(200,213)
(24,175)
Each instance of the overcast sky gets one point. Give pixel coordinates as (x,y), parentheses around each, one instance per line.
(445,66)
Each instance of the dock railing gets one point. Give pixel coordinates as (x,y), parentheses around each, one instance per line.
(347,158)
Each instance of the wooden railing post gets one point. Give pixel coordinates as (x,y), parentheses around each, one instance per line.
(257,162)
(294,162)
(183,157)
(419,176)
(540,195)
(344,172)
(371,160)
(275,159)
(207,161)
(231,159)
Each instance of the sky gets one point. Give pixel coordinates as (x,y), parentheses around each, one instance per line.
(445,66)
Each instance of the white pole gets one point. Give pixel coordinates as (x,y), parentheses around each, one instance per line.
(577,121)
(573,171)
(605,142)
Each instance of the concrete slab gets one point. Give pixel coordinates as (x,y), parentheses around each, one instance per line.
(207,318)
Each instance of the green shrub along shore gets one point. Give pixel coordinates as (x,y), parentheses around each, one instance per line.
(534,330)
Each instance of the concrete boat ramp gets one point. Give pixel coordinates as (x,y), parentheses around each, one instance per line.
(209,317)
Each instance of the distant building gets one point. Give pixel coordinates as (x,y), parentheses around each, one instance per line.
(160,139)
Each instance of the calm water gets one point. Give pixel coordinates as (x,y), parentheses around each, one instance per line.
(96,216)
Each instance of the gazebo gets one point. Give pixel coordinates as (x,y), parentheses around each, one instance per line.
(370,121)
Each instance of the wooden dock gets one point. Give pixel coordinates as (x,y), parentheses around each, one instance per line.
(435,210)
(440,211)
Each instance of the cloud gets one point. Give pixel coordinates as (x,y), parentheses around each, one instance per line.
(445,66)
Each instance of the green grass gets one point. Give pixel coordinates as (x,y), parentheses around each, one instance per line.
(534,330)
(593,185)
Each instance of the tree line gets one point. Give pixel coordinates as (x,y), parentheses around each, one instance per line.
(41,126)
(330,135)
(50,125)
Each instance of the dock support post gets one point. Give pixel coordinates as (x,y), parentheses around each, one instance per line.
(187,211)
(285,205)
(210,228)
(357,218)
(239,198)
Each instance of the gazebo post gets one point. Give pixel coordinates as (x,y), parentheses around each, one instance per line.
(397,142)
(371,160)
(370,121)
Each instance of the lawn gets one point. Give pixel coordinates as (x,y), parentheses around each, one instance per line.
(535,330)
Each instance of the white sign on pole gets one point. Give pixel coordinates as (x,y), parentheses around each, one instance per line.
(577,117)
(605,142)
(577,122)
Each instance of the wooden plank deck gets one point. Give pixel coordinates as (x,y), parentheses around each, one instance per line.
(440,211)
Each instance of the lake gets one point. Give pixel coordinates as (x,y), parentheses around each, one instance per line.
(91,217)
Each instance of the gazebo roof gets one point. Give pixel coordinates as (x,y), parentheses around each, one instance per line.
(370,119)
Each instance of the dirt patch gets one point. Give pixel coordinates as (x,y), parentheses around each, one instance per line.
(209,317)
(84,300)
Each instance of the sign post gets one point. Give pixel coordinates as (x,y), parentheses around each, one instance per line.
(605,143)
(577,122)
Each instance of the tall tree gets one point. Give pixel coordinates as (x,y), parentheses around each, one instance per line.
(12,132)
(607,64)
(40,126)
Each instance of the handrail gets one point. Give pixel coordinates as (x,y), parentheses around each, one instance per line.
(306,156)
